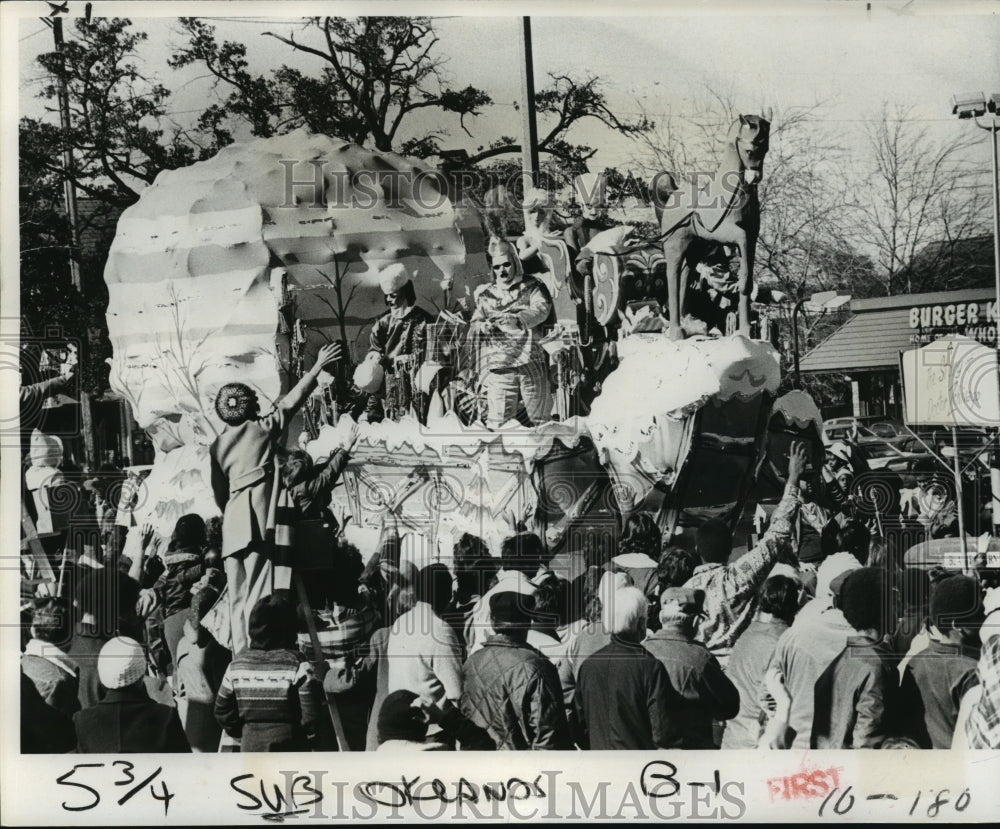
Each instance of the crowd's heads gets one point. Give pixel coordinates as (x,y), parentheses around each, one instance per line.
(399,719)
(676,566)
(467,550)
(714,541)
(121,663)
(957,605)
(780,598)
(510,613)
(434,586)
(50,621)
(107,598)
(640,535)
(236,403)
(836,565)
(863,597)
(549,603)
(402,595)
(624,613)
(681,607)
(296,467)
(611,582)
(337,583)
(189,533)
(273,623)
(523,552)
(854,538)
(838,456)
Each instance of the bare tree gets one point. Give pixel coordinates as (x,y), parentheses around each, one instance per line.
(915,201)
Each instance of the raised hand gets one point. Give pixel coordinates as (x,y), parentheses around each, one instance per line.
(798,459)
(328,353)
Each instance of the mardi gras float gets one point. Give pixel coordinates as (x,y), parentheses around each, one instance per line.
(237,268)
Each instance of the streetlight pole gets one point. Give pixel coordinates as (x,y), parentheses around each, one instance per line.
(974,106)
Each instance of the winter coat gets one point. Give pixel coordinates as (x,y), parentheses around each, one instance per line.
(242,462)
(127,721)
(44,729)
(183,570)
(697,676)
(513,691)
(624,700)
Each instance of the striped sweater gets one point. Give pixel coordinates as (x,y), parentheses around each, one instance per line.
(270,698)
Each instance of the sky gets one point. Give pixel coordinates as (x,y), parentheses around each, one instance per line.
(663,57)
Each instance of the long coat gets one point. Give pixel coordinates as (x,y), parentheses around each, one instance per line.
(127,721)
(243,471)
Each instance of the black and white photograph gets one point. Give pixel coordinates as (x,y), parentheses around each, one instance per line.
(535,380)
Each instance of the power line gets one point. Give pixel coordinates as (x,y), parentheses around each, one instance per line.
(38,32)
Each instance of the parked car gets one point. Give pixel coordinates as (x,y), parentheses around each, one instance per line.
(869,430)
(885,455)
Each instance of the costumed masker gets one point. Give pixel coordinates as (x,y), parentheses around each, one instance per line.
(591,192)
(713,298)
(537,220)
(396,335)
(510,319)
(248,490)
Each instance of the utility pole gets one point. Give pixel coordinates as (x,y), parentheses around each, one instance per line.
(529,129)
(69,190)
(69,195)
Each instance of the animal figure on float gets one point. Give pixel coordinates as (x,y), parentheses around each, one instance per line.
(726,210)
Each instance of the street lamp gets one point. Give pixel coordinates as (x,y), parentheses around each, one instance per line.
(975,106)
(819,303)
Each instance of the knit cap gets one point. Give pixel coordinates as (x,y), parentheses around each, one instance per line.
(399,720)
(121,663)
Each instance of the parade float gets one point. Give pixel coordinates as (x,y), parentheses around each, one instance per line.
(237,268)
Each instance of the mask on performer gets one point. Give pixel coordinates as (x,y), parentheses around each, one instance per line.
(504,264)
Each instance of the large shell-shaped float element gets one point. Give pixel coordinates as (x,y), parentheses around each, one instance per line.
(216,262)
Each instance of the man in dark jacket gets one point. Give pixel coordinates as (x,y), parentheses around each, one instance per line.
(693,672)
(509,688)
(857,696)
(44,729)
(938,677)
(127,721)
(623,695)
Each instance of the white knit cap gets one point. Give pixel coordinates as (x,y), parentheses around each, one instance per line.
(393,277)
(121,662)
